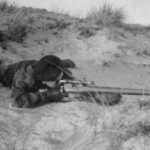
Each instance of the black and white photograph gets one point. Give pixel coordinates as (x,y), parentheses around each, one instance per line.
(74,75)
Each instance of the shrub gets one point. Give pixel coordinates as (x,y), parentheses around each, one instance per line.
(106,15)
(15,24)
(18,27)
(2,40)
(87,32)
(2,36)
(6,7)
(3,5)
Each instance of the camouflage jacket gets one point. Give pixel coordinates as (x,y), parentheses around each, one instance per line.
(25,88)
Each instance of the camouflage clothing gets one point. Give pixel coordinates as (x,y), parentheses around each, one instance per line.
(7,72)
(26,78)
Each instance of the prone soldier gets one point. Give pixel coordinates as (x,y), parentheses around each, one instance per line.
(27,77)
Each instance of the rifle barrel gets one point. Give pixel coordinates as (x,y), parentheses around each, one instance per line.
(124,91)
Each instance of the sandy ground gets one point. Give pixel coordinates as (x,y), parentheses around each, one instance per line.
(81,125)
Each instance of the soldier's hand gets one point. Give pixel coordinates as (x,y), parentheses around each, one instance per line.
(54,94)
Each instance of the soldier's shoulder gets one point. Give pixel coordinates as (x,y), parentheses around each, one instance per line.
(23,64)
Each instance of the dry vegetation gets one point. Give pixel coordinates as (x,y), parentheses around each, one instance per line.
(107,16)
(16,22)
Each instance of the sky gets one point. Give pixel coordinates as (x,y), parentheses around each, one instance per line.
(137,11)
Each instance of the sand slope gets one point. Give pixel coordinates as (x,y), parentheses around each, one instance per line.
(116,59)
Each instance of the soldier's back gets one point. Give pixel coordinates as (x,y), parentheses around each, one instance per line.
(11,69)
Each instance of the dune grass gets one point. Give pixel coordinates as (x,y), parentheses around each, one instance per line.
(18,27)
(14,22)
(106,15)
(17,22)
(6,7)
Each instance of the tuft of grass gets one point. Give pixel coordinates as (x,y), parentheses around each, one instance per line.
(14,24)
(18,27)
(107,16)
(5,137)
(6,7)
(3,5)
(101,98)
(2,40)
(86,32)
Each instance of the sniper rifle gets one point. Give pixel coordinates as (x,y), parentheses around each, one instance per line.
(84,86)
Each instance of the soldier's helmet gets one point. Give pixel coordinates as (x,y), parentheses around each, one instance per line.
(51,68)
